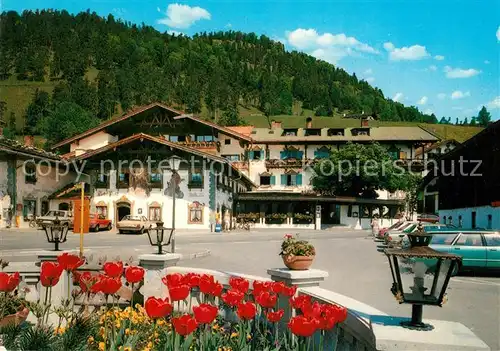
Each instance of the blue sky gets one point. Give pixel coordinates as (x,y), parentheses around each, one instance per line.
(441,56)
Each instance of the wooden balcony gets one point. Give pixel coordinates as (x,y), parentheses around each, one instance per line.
(240,165)
(206,146)
(289,163)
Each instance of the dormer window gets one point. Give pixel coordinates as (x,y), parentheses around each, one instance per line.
(360,131)
(335,132)
(177,138)
(312,132)
(290,132)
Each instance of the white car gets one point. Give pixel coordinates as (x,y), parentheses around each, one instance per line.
(395,238)
(136,224)
(66,218)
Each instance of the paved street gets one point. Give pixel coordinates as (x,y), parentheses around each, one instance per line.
(355,266)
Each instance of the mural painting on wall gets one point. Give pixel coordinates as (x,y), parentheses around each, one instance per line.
(174,185)
(139,182)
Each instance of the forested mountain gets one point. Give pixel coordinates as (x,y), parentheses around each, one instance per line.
(136,64)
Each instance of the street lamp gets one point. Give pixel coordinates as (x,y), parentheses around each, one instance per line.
(156,236)
(174,163)
(420,276)
(56,232)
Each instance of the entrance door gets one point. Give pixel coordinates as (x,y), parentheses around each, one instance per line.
(330,214)
(123,210)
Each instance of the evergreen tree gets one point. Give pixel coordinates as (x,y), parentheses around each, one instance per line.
(483,117)
(473,121)
(465,122)
(36,111)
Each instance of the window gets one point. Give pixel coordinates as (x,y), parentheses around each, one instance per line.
(195,178)
(490,220)
(450,220)
(123,180)
(322,152)
(473,219)
(45,207)
(291,179)
(492,239)
(290,132)
(460,221)
(204,138)
(155,213)
(29,209)
(335,132)
(176,138)
(102,181)
(312,132)
(469,240)
(267,180)
(291,154)
(443,239)
(30,175)
(232,158)
(195,213)
(102,211)
(227,142)
(155,179)
(393,152)
(255,155)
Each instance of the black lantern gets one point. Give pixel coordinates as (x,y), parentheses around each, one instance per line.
(157,235)
(420,276)
(56,232)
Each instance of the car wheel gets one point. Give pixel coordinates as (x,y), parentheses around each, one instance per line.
(120,231)
(109,227)
(96,229)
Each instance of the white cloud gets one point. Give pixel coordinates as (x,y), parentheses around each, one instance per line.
(439,57)
(370,79)
(327,46)
(414,52)
(368,71)
(486,62)
(495,103)
(174,32)
(433,68)
(398,97)
(428,111)
(460,73)
(423,100)
(458,94)
(183,16)
(441,96)
(229,25)
(498,33)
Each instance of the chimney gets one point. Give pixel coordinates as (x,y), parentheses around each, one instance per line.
(29,140)
(364,122)
(309,122)
(275,124)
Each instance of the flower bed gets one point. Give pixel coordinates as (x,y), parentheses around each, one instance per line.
(301,218)
(276,218)
(189,319)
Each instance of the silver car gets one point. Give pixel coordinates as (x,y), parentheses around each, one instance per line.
(66,218)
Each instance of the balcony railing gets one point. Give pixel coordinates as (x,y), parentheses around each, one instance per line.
(289,163)
(199,144)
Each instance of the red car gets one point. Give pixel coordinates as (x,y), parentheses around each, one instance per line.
(98,222)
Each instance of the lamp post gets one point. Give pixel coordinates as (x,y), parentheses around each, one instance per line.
(420,276)
(174,162)
(56,232)
(157,235)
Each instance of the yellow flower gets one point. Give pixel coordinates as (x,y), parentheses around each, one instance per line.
(127,331)
(102,346)
(90,340)
(150,344)
(249,337)
(215,327)
(234,334)
(127,348)
(160,322)
(101,331)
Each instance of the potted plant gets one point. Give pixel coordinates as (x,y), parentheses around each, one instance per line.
(297,255)
(13,308)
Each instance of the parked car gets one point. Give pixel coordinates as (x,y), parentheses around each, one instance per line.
(395,238)
(98,222)
(66,218)
(479,249)
(428,217)
(135,224)
(395,226)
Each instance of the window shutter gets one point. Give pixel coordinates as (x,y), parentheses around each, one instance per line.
(283,155)
(299,179)
(300,154)
(273,180)
(250,155)
(283,179)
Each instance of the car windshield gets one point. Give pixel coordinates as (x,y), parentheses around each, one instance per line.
(55,214)
(131,218)
(410,228)
(395,225)
(443,239)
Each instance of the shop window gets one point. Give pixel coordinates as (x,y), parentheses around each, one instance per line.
(29,209)
(30,175)
(195,213)
(154,213)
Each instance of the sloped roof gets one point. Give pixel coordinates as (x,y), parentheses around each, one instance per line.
(376,134)
(13,146)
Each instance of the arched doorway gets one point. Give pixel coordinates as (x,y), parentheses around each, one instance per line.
(122,209)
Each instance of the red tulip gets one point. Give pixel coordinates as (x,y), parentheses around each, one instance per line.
(217,289)
(259,287)
(276,316)
(240,284)
(191,279)
(278,287)
(86,281)
(70,262)
(9,282)
(113,269)
(50,273)
(232,297)
(313,310)
(158,308)
(246,310)
(205,313)
(266,299)
(300,302)
(185,324)
(289,291)
(109,285)
(302,326)
(134,274)
(171,280)
(178,293)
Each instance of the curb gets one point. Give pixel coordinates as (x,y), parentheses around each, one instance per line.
(192,256)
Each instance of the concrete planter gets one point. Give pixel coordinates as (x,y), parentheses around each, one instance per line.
(298,263)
